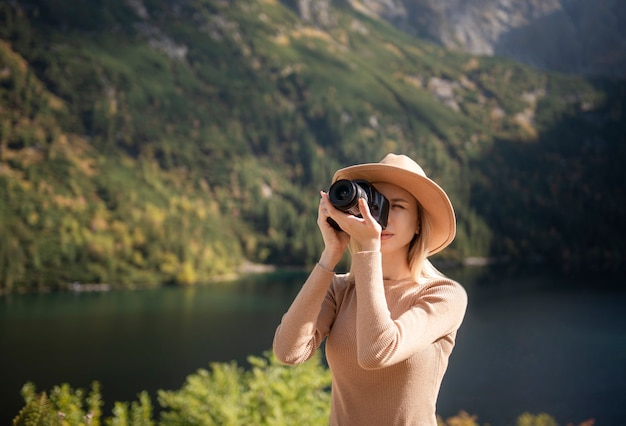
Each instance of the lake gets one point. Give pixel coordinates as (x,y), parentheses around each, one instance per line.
(531,341)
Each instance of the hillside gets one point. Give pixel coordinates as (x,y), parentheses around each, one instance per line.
(144,142)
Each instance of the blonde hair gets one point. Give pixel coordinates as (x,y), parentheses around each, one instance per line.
(422,270)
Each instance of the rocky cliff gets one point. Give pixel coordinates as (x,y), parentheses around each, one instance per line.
(574,36)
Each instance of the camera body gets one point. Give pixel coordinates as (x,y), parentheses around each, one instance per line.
(344,194)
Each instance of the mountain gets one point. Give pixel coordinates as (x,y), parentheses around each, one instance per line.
(573,36)
(148,142)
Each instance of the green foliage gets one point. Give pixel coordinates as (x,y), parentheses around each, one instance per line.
(62,406)
(461,419)
(36,412)
(66,406)
(138,413)
(541,419)
(167,144)
(267,394)
(525,419)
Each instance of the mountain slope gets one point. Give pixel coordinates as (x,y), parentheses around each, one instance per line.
(148,142)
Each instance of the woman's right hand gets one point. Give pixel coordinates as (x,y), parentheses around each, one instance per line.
(335,241)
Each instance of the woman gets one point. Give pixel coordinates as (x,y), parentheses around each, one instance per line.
(391,322)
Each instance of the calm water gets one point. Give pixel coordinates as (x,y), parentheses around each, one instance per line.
(527,343)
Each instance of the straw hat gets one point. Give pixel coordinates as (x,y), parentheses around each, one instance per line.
(402,171)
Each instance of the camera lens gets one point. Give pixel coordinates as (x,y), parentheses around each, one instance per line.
(344,195)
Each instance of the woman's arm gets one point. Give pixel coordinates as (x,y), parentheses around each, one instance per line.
(303,327)
(382,341)
(311,314)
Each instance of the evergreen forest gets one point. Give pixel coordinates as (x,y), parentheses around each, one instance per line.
(159,142)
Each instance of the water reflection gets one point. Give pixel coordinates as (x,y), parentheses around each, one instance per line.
(532,341)
(540,342)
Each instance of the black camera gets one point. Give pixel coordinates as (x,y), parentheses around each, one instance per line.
(344,195)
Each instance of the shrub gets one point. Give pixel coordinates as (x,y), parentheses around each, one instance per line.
(267,394)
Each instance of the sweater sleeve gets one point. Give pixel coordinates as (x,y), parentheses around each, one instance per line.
(382,341)
(307,321)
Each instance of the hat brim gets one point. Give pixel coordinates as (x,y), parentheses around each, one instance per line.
(431,197)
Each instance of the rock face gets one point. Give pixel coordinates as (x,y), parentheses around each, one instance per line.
(316,12)
(576,36)
(474,26)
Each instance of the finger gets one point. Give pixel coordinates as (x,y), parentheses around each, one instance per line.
(324,199)
(325,214)
(365,210)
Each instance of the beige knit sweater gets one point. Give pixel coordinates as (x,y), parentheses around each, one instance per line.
(388,342)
